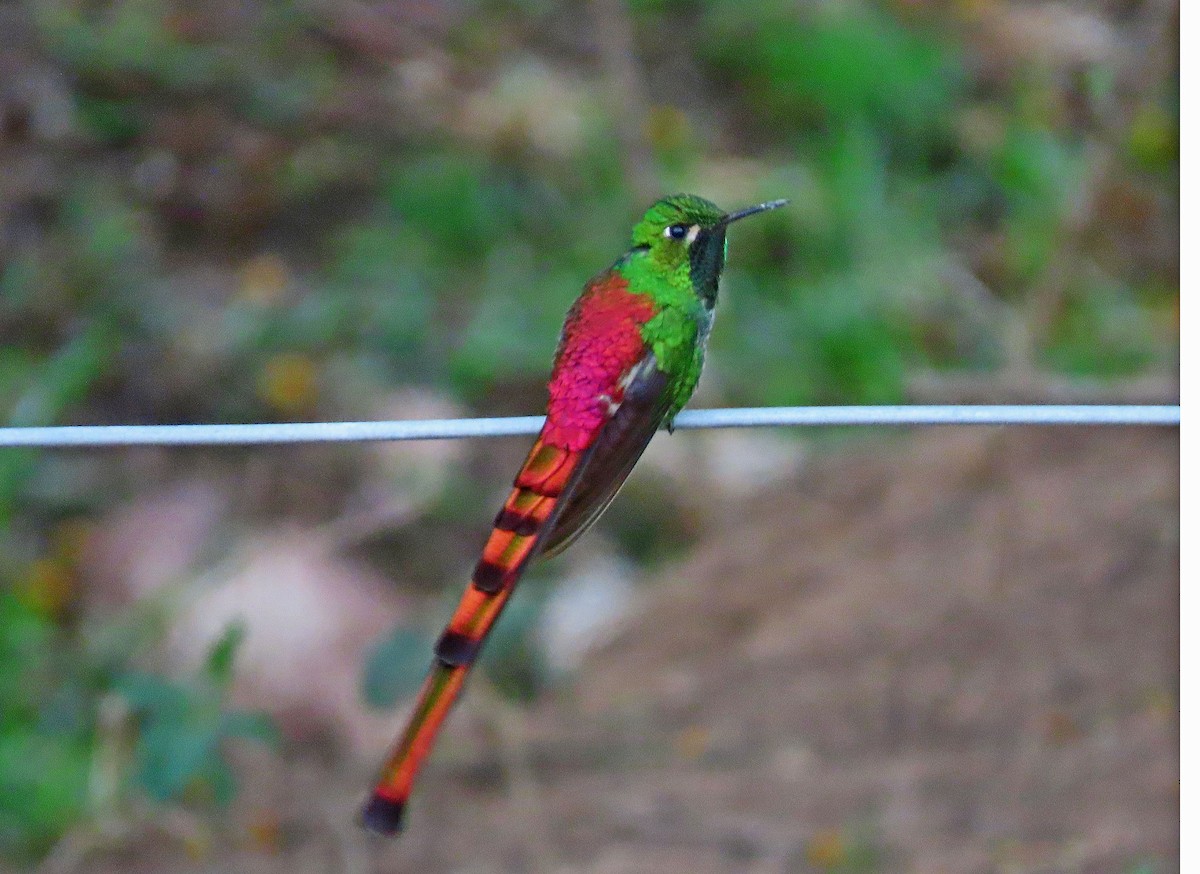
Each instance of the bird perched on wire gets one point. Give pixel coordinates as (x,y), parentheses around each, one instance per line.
(630,357)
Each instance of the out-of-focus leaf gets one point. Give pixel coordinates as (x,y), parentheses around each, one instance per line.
(250,725)
(219,665)
(452,199)
(1154,139)
(1102,332)
(395,666)
(153,695)
(1036,169)
(171,755)
(843,62)
(45,781)
(63,378)
(512,659)
(113,121)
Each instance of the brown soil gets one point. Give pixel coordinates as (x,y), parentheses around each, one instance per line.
(952,653)
(957,655)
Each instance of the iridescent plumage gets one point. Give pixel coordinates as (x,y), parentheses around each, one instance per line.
(630,356)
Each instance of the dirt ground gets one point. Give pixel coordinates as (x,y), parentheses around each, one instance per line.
(952,652)
(956,656)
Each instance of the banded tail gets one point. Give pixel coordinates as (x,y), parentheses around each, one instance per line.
(518,533)
(629,358)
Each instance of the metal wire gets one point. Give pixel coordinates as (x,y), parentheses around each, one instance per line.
(444,429)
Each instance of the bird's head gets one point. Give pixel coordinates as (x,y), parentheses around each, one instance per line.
(684,230)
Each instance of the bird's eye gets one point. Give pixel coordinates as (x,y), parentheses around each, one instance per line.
(676,232)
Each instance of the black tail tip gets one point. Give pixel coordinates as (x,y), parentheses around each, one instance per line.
(383,815)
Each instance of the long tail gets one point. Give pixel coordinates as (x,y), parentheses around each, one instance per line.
(527,516)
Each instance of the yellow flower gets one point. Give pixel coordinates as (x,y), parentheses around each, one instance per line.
(826,850)
(289,383)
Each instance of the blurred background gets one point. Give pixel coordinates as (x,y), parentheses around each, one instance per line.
(942,650)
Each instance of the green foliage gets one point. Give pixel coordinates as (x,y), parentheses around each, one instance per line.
(513,659)
(1102,332)
(183,725)
(137,45)
(453,201)
(81,731)
(44,750)
(1037,173)
(378,272)
(40,390)
(835,65)
(395,666)
(466,251)
(113,121)
(655,525)
(130,37)
(459,272)
(1153,139)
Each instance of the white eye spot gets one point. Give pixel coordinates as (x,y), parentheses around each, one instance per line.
(679,232)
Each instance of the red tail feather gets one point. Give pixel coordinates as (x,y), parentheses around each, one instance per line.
(519,530)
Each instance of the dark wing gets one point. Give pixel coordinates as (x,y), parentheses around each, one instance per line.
(619,445)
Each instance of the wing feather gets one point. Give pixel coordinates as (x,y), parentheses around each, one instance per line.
(619,445)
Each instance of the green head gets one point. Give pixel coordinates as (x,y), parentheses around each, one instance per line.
(685,235)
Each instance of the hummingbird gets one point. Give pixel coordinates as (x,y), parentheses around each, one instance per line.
(628,359)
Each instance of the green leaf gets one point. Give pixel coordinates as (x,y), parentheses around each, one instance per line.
(171,755)
(44,782)
(152,695)
(114,121)
(512,659)
(219,665)
(396,666)
(840,63)
(1101,331)
(64,378)
(252,725)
